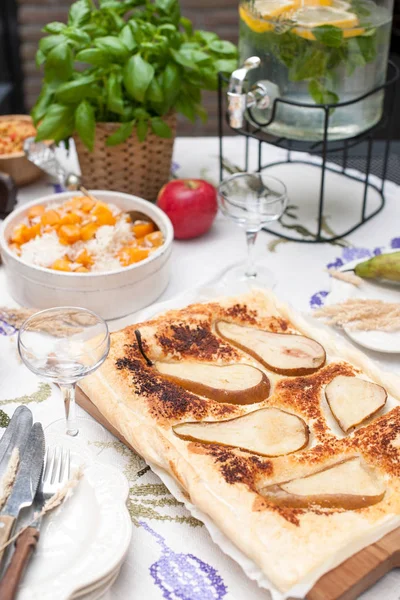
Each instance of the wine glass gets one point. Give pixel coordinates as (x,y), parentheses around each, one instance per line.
(251,200)
(63,345)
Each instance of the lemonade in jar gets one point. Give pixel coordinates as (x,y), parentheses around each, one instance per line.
(318,52)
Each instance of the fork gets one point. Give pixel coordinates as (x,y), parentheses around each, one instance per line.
(56,472)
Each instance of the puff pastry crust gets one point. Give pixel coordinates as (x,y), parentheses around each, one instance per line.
(288,543)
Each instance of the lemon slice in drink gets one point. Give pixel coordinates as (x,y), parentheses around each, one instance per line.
(309,17)
(258,17)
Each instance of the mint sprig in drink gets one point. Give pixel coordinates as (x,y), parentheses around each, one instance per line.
(318,52)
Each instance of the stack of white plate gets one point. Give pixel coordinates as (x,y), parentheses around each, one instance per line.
(84,542)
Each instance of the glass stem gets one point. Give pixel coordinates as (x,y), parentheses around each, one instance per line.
(251,237)
(68,392)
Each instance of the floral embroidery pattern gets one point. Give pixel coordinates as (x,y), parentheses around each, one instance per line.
(6,328)
(184,576)
(41,394)
(148,500)
(348,255)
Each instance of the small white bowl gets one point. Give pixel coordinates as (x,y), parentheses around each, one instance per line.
(111,294)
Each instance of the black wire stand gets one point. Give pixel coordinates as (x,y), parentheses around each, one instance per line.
(253,129)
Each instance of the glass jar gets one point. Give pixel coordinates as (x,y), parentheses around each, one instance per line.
(317,52)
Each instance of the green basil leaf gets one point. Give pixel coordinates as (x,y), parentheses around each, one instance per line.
(167,28)
(196,56)
(223,47)
(320,94)
(165,5)
(113,46)
(367,47)
(78,36)
(94,56)
(186,106)
(154,92)
(141,114)
(79,13)
(49,42)
(55,27)
(308,65)
(40,58)
(182,59)
(171,83)
(121,135)
(201,112)
(141,130)
(329,35)
(206,36)
(59,63)
(160,128)
(227,65)
(115,102)
(187,25)
(74,91)
(127,38)
(57,124)
(170,8)
(138,74)
(42,103)
(85,124)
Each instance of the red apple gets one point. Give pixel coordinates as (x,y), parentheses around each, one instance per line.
(191,204)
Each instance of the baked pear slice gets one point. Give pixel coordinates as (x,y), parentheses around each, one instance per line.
(284,353)
(234,384)
(267,431)
(353,400)
(348,485)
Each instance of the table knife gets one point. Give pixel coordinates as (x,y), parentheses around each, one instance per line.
(15,436)
(26,483)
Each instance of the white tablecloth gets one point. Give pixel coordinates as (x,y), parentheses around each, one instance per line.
(171,554)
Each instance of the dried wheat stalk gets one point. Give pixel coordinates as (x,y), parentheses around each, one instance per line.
(58,498)
(346,276)
(363,315)
(7,481)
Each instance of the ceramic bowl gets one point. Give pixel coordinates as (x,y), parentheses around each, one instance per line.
(111,294)
(16,164)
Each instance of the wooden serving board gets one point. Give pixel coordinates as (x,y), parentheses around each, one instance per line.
(347,581)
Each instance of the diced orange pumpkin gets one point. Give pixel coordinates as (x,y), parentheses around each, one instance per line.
(140,229)
(20,234)
(154,239)
(103,214)
(70,218)
(32,231)
(84,258)
(74,203)
(69,233)
(36,211)
(50,217)
(61,264)
(139,241)
(87,204)
(88,231)
(129,255)
(81,270)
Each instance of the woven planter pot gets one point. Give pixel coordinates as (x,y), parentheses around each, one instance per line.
(139,168)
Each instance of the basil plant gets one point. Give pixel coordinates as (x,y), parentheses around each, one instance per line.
(127,61)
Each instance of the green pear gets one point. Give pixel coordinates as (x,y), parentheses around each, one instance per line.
(383,266)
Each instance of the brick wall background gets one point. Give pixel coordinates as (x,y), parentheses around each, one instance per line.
(213,15)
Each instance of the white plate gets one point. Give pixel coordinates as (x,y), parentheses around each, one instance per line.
(83,541)
(380,341)
(92,592)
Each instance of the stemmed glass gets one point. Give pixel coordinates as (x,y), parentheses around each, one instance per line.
(63,345)
(251,200)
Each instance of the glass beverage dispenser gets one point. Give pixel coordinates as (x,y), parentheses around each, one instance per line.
(309,52)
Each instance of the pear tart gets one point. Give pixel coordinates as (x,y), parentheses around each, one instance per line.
(286,437)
